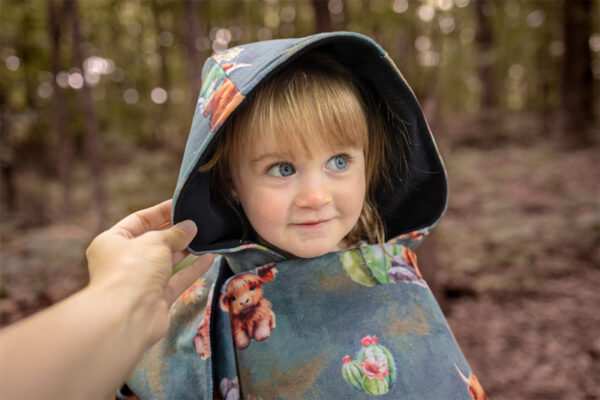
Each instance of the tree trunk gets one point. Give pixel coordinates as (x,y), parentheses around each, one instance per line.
(93,142)
(7,161)
(577,81)
(64,153)
(194,56)
(484,38)
(163,75)
(322,16)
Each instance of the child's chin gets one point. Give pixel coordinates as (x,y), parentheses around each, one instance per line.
(310,252)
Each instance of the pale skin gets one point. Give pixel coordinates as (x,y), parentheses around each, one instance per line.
(302,204)
(87,345)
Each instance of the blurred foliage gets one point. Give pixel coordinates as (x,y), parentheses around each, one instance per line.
(433,43)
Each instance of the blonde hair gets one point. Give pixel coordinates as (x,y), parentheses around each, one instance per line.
(313,101)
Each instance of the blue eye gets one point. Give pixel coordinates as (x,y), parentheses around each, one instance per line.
(337,162)
(281,169)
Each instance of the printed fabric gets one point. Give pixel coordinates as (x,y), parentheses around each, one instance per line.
(349,324)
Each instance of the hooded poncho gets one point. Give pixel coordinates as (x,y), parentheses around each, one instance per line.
(344,325)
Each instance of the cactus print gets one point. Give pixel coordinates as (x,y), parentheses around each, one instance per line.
(371,265)
(373,371)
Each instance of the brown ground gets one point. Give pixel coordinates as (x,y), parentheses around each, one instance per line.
(517,254)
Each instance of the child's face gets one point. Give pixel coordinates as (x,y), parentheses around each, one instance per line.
(304,205)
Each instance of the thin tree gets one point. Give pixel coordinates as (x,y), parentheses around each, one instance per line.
(163,71)
(577,81)
(484,38)
(64,146)
(8,188)
(322,16)
(93,142)
(194,56)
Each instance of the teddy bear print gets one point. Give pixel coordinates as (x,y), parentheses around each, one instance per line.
(250,313)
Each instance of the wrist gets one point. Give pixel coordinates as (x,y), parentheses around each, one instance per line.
(138,316)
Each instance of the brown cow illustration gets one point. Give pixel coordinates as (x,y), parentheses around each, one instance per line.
(250,313)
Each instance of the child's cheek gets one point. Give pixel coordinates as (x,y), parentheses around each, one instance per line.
(353,195)
(265,211)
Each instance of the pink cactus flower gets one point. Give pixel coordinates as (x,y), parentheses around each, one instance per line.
(369,340)
(375,369)
(346,359)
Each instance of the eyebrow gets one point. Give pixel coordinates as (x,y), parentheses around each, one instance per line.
(272,155)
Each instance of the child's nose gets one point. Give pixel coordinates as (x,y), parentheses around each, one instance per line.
(313,195)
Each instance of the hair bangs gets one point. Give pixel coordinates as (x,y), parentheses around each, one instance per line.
(297,113)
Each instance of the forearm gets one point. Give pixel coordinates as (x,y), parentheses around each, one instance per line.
(83,347)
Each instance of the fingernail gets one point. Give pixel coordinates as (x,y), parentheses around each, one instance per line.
(188,225)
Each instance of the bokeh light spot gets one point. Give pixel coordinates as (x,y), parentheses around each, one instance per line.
(45,90)
(444,5)
(400,6)
(158,95)
(131,96)
(287,14)
(335,6)
(594,42)
(62,79)
(516,71)
(535,19)
(165,39)
(447,24)
(75,80)
(425,13)
(12,63)
(467,34)
(422,43)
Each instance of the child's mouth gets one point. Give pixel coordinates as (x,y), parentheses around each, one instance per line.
(312,224)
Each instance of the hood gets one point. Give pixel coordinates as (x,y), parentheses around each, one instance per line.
(418,196)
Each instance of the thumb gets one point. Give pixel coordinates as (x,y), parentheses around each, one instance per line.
(180,235)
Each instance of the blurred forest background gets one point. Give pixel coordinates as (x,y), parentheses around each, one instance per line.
(97,96)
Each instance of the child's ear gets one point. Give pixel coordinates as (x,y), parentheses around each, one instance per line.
(234,195)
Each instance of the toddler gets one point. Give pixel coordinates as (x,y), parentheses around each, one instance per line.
(311,170)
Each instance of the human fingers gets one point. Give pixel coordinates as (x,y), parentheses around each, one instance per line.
(152,218)
(179,236)
(186,277)
(179,256)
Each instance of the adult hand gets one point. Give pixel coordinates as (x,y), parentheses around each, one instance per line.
(134,259)
(86,345)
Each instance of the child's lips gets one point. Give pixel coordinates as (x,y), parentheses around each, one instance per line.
(312,224)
